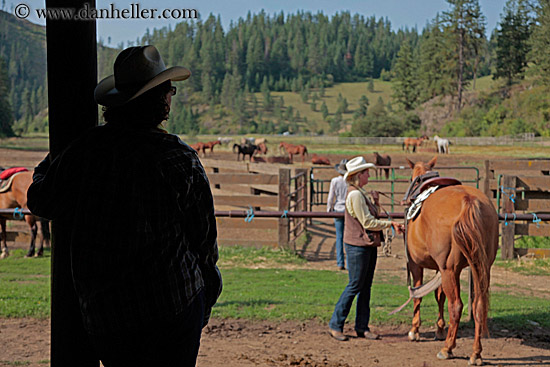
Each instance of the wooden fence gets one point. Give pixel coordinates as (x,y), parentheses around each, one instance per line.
(254,187)
(519,186)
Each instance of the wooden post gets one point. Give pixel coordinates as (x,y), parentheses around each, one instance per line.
(72,77)
(284,224)
(302,195)
(489,175)
(508,227)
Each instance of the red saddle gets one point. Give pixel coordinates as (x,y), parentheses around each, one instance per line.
(7,173)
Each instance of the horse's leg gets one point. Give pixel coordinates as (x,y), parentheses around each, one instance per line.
(440,299)
(3,241)
(40,236)
(450,281)
(417,274)
(32,224)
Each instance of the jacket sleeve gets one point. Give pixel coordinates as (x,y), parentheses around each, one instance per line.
(331,195)
(357,208)
(49,193)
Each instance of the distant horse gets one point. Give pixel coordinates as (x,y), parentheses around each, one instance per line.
(414,142)
(245,149)
(250,141)
(198,147)
(210,145)
(291,150)
(320,160)
(16,197)
(224,140)
(457,227)
(442,145)
(382,160)
(262,148)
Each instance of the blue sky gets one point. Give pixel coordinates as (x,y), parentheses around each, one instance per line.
(401,13)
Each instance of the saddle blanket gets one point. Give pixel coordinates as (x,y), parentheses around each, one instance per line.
(417,203)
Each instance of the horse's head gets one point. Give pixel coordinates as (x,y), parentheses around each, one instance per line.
(420,168)
(425,137)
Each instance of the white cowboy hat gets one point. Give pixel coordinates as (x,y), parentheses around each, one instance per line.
(357,165)
(136,70)
(341,167)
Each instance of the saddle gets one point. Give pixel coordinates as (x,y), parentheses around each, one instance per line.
(421,188)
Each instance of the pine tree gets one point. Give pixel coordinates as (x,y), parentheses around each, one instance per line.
(540,42)
(6,113)
(464,24)
(405,87)
(324,110)
(512,41)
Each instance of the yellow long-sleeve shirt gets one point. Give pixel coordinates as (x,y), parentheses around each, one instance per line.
(357,208)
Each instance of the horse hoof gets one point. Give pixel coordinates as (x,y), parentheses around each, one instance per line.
(4,254)
(414,337)
(444,355)
(475,361)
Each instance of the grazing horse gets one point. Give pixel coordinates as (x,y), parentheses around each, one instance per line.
(262,148)
(320,160)
(245,149)
(442,145)
(210,145)
(382,160)
(457,227)
(224,140)
(291,150)
(15,196)
(198,147)
(414,142)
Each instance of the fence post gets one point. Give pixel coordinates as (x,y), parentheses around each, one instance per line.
(487,183)
(284,199)
(302,194)
(508,227)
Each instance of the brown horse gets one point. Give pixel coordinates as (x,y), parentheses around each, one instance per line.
(414,142)
(210,145)
(291,150)
(198,147)
(16,197)
(320,160)
(457,227)
(382,160)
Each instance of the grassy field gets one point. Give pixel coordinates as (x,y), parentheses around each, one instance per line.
(265,284)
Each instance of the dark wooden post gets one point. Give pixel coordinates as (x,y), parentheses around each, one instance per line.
(72,77)
(508,227)
(489,175)
(284,199)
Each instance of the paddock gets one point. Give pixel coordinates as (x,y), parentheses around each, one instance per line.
(239,186)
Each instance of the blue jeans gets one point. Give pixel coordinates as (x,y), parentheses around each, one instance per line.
(339,224)
(361,265)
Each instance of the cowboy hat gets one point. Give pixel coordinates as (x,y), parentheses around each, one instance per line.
(136,70)
(341,167)
(357,165)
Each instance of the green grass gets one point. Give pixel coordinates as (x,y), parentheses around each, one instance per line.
(256,287)
(25,286)
(532,242)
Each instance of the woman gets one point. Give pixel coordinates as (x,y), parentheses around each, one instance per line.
(362,235)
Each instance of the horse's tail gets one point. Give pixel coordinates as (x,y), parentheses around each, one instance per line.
(403,146)
(235,146)
(467,234)
(305,150)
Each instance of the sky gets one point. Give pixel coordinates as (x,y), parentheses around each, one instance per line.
(401,13)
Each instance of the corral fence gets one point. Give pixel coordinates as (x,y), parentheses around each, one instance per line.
(258,187)
(393,188)
(526,138)
(520,187)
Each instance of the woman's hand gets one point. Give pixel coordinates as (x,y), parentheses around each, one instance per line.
(399,228)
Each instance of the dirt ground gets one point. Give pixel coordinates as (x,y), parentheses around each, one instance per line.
(240,343)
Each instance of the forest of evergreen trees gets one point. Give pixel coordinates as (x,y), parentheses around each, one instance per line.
(235,71)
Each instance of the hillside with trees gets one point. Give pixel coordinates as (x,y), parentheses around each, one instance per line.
(316,74)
